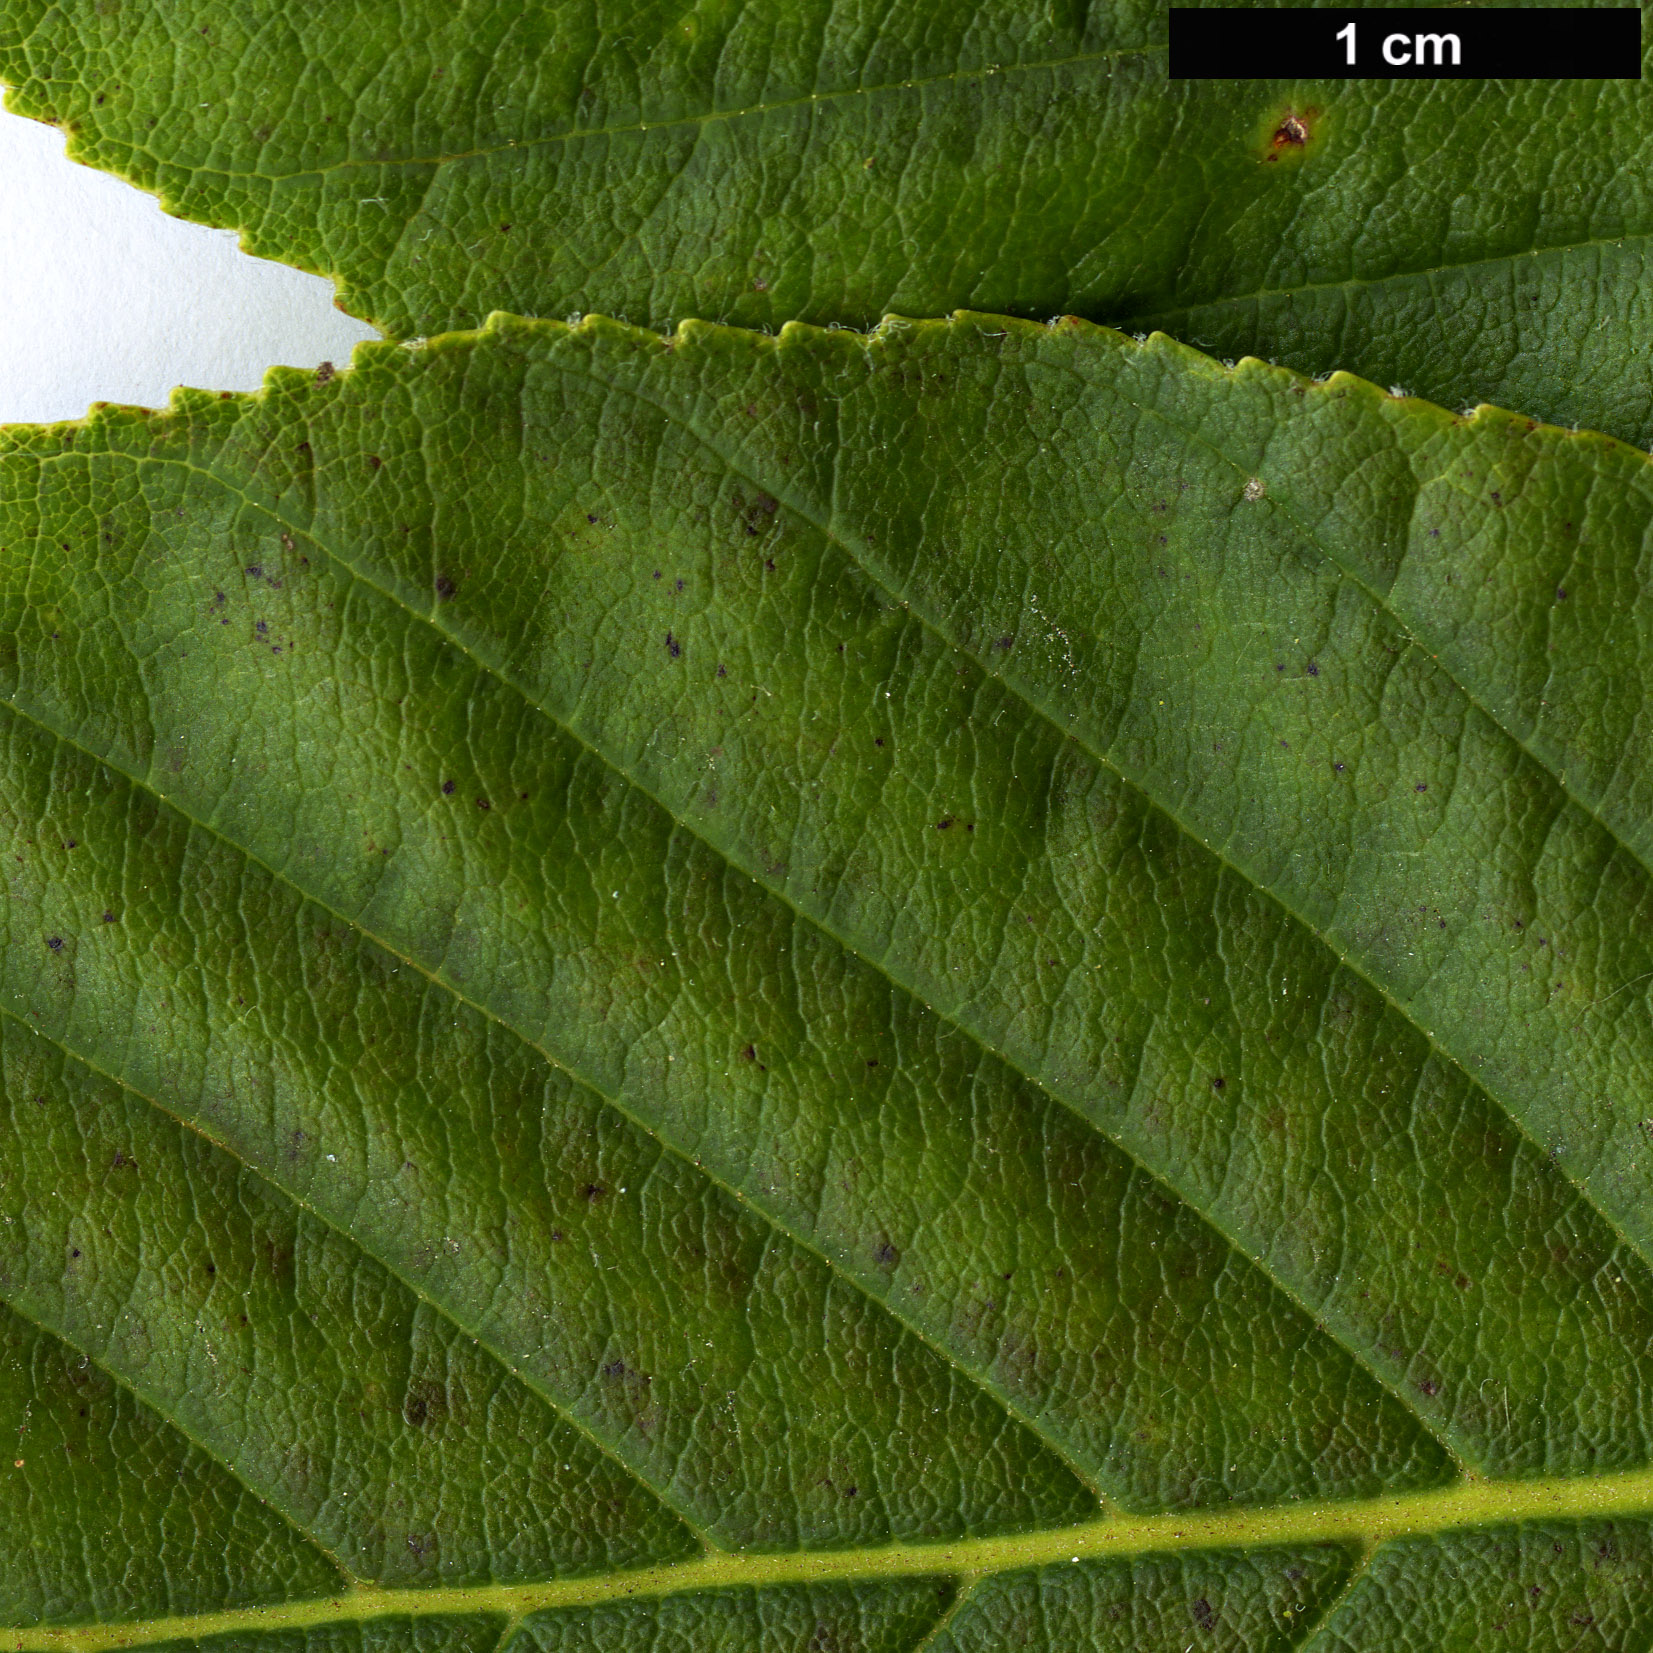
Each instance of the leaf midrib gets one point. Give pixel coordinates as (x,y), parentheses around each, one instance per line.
(1366,1522)
(830,533)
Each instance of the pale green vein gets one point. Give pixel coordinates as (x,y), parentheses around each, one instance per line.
(1322,1619)
(1367,1522)
(965,1589)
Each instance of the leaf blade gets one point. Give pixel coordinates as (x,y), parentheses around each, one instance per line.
(409,700)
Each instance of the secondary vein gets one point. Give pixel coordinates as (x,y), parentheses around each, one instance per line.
(266,1495)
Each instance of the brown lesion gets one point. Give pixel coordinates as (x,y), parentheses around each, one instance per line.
(1292,133)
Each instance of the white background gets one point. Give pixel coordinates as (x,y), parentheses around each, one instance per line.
(103,298)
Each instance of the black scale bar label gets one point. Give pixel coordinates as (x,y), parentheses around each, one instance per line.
(1422,43)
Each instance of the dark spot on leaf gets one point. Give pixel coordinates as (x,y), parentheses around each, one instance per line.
(1203,1615)
(447,789)
(750,1053)
(673,647)
(593,1191)
(1313,669)
(108,917)
(324,373)
(482,803)
(55,943)
(1560,594)
(445,588)
(943,824)
(374,460)
(1218,1082)
(886,1255)
(1422,786)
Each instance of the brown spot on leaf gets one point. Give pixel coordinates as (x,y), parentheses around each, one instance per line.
(1292,134)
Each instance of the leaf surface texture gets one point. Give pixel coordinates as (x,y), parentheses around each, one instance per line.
(976,986)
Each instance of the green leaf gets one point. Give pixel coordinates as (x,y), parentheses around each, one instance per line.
(826,162)
(970,987)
